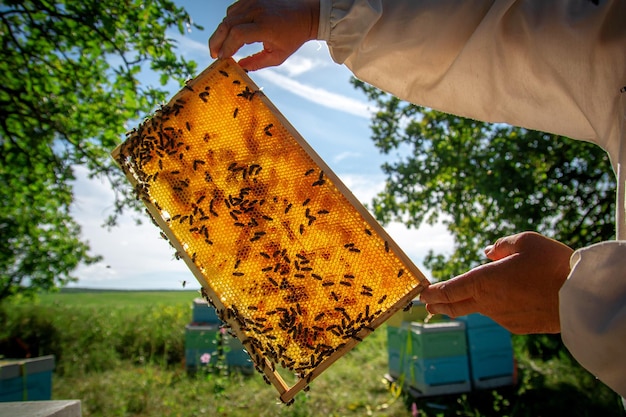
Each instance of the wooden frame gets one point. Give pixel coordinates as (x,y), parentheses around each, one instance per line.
(410,281)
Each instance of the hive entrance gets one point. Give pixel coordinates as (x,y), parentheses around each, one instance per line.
(292,262)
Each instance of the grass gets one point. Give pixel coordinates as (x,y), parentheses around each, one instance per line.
(122,353)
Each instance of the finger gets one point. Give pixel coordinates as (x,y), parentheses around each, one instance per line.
(217,39)
(451,291)
(503,247)
(263,59)
(239,36)
(237,13)
(239,6)
(457,309)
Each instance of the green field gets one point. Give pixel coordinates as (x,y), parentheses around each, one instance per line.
(122,354)
(118,299)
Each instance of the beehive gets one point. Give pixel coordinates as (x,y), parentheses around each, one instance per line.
(293,263)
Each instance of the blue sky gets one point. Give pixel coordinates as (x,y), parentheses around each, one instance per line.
(315,95)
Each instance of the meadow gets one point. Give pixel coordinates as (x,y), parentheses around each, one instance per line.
(122,354)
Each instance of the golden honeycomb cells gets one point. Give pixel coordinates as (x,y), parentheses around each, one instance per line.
(293,263)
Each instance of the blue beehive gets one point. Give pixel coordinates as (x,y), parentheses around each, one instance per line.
(418,340)
(202,345)
(486,338)
(429,358)
(26,379)
(236,356)
(396,350)
(435,340)
(490,352)
(446,370)
(492,368)
(203,313)
(204,339)
(476,320)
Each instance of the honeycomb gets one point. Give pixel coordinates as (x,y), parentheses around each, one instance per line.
(293,263)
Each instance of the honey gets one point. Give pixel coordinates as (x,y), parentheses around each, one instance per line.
(293,263)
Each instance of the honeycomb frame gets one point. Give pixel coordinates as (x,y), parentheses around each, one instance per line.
(293,263)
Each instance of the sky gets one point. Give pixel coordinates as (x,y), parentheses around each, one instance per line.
(315,96)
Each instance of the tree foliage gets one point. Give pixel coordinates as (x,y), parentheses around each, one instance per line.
(485,181)
(69,84)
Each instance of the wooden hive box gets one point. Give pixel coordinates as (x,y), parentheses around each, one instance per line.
(290,259)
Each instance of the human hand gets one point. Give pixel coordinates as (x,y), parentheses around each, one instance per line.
(281,25)
(519,290)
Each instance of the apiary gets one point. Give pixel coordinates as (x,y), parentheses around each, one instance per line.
(291,261)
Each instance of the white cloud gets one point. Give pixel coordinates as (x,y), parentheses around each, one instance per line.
(309,57)
(345,155)
(297,65)
(363,186)
(317,95)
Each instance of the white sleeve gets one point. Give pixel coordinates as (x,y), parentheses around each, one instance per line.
(593,312)
(554,66)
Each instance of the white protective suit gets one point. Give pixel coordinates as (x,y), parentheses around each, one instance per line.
(554,66)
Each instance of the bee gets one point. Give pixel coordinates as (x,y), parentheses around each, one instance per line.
(320,181)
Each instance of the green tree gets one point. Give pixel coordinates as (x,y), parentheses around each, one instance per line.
(69,86)
(485,181)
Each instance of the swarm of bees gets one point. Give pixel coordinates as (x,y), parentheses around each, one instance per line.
(292,262)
